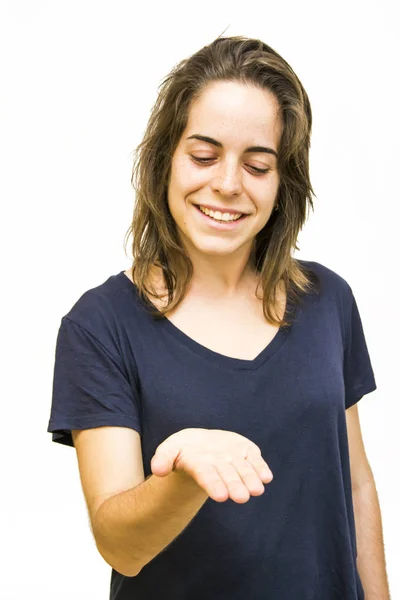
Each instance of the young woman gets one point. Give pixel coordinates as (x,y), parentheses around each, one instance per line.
(208,389)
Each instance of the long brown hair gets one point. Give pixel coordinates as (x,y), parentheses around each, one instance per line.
(155,239)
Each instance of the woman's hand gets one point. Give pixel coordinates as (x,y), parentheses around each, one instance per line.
(225,464)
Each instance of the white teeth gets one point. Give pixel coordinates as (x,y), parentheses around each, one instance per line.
(219,216)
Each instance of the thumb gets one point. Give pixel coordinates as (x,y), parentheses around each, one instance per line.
(163,460)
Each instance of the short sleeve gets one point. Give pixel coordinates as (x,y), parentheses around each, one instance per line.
(90,386)
(358,373)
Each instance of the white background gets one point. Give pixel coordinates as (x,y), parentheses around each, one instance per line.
(78,79)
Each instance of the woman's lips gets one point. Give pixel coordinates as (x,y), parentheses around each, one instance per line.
(220,225)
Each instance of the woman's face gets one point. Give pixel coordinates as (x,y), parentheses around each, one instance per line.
(227,171)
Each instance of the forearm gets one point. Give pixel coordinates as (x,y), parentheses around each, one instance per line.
(370,547)
(134,526)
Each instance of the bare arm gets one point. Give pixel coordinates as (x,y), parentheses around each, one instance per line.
(370,555)
(134,526)
(370,559)
(133,519)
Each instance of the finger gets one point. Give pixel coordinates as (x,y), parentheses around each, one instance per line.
(229,475)
(260,466)
(249,476)
(207,477)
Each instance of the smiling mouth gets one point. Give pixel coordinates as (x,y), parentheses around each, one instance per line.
(220,220)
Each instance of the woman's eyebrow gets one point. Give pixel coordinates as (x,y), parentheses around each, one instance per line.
(209,140)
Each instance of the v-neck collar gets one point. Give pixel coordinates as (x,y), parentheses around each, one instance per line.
(215,357)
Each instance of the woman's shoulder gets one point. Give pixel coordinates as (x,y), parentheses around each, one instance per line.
(333,287)
(327,274)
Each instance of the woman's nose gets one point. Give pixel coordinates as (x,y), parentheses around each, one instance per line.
(227,181)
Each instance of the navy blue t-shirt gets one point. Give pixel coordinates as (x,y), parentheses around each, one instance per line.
(117,365)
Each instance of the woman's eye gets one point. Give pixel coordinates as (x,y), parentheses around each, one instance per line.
(257,170)
(206,160)
(201,160)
